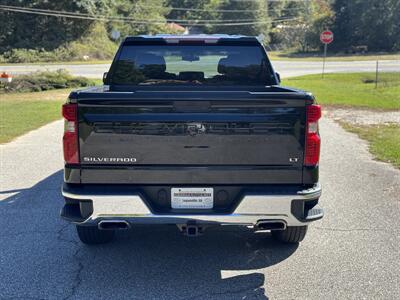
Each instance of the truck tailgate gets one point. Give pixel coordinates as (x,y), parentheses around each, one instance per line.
(235,137)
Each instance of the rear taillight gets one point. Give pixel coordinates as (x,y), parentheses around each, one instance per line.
(70,139)
(313,141)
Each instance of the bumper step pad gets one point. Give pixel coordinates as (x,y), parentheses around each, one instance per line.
(314,213)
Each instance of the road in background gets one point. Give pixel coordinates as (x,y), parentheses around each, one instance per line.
(352,253)
(285,68)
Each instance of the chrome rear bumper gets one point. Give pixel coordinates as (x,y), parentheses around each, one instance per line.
(251,210)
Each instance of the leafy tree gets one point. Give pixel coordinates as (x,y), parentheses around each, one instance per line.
(151,12)
(305,22)
(206,11)
(20,30)
(255,11)
(373,23)
(320,18)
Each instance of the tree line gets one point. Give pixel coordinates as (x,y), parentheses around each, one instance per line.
(372,25)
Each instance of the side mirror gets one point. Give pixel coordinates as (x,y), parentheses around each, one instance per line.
(278,77)
(105,77)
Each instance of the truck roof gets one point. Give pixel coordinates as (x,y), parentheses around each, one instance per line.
(192,37)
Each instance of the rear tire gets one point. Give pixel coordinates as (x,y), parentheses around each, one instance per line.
(292,234)
(91,235)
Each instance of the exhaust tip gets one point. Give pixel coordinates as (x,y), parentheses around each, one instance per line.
(113,225)
(271,225)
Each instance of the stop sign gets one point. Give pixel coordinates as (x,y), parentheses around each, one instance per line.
(326,37)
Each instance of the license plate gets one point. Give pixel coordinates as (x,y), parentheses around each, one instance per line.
(192,198)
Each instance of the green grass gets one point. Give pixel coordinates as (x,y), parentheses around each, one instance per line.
(281,55)
(97,81)
(23,112)
(352,90)
(384,141)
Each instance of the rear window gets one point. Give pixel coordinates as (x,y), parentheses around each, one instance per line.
(191,65)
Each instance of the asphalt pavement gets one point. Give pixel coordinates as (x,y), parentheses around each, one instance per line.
(353,253)
(285,68)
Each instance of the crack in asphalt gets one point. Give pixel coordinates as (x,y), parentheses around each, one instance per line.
(77,279)
(60,232)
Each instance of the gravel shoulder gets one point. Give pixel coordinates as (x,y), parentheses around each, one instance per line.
(356,116)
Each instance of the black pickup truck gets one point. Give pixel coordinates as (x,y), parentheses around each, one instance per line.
(193,131)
